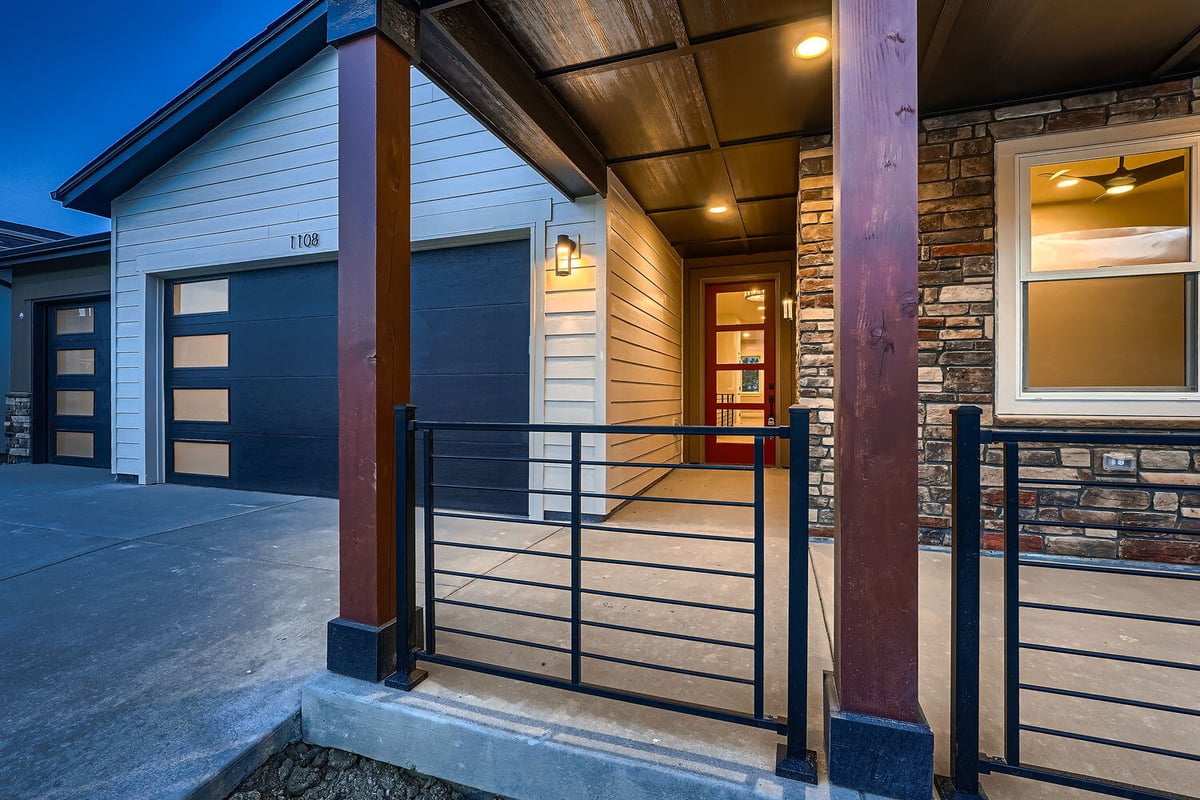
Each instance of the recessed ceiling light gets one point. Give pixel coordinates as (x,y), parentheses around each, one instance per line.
(762,308)
(718,209)
(1065,183)
(812,46)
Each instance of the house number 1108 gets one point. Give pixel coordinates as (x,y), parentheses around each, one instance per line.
(301,241)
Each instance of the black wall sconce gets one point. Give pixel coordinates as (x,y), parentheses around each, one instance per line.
(789,306)
(564,251)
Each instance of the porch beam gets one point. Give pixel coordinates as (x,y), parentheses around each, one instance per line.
(467,54)
(704,148)
(677,49)
(877,736)
(1185,49)
(373,337)
(946,19)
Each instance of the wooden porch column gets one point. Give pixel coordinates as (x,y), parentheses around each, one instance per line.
(373,319)
(878,739)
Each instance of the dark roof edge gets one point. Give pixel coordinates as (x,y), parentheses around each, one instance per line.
(59,248)
(31,230)
(246,73)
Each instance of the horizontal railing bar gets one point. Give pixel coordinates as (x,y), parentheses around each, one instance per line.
(517,490)
(497,578)
(712,537)
(667,601)
(1149,487)
(663,667)
(519,612)
(1084,737)
(503,639)
(722,715)
(643,430)
(666,634)
(518,459)
(1135,572)
(495,518)
(1108,526)
(1101,612)
(1076,781)
(668,465)
(1103,698)
(1069,651)
(674,567)
(501,549)
(1144,438)
(685,500)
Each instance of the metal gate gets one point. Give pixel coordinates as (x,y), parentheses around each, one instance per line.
(558,603)
(1024,690)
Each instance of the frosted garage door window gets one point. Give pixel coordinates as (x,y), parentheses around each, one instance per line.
(74,444)
(76,362)
(201,297)
(75,403)
(75,320)
(193,352)
(201,405)
(202,458)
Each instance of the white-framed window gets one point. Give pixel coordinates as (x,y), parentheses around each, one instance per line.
(1097,255)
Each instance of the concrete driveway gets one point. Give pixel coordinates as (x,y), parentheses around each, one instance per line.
(150,636)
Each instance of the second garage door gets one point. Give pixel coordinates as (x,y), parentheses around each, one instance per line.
(251,374)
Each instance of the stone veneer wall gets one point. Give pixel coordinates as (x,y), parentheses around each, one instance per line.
(18,427)
(957,266)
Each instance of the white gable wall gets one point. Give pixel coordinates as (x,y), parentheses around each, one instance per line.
(234,199)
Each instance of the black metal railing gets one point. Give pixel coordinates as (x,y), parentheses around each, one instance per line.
(421,627)
(967,761)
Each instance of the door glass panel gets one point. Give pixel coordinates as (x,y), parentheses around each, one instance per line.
(76,362)
(75,320)
(201,405)
(1102,333)
(74,444)
(210,350)
(75,403)
(747,307)
(740,418)
(740,347)
(202,458)
(1111,212)
(201,297)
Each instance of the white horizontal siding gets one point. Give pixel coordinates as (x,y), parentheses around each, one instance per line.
(270,170)
(644,326)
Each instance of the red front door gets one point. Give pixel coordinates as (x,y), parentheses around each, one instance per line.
(739,367)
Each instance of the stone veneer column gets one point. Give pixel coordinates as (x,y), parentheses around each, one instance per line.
(18,426)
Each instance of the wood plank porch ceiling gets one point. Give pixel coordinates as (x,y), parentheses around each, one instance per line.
(696,103)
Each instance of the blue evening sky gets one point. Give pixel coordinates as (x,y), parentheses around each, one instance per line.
(76,75)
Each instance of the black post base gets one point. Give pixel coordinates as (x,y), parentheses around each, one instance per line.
(361,651)
(796,768)
(405,681)
(946,790)
(877,755)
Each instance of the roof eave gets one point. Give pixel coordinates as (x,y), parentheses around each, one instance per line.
(58,248)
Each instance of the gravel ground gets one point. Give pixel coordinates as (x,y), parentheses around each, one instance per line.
(306,772)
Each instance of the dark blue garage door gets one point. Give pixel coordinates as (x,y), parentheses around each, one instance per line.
(251,374)
(251,377)
(470,363)
(77,402)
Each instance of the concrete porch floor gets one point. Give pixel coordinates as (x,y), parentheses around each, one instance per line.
(642,752)
(153,636)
